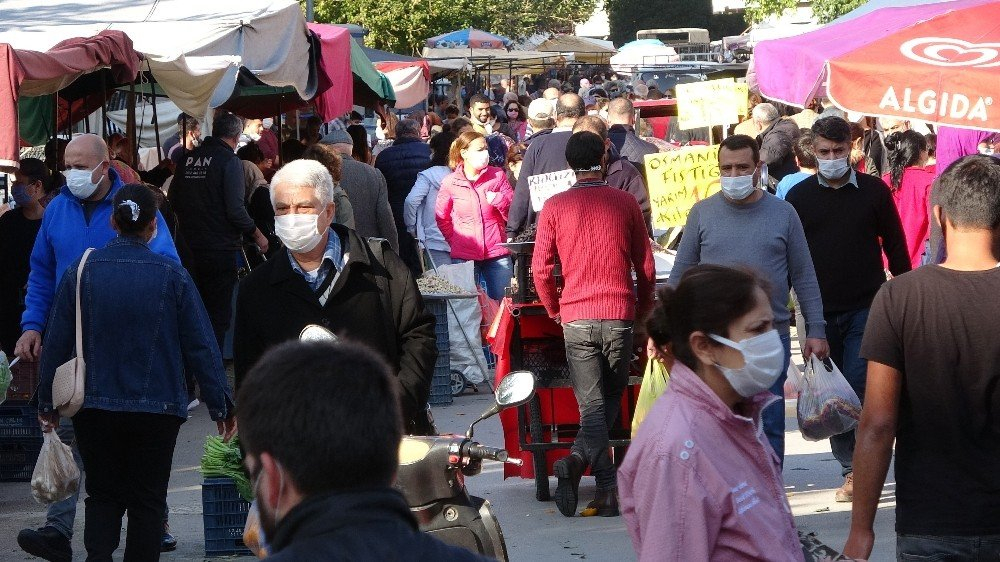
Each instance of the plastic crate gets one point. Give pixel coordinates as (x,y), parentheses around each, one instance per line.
(17,459)
(441,384)
(19,422)
(441,381)
(225,515)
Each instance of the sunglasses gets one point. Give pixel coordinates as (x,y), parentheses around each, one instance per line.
(513,110)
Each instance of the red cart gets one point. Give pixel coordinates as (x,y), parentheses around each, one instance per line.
(542,431)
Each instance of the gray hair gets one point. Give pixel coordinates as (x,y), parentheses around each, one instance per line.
(541,124)
(765,113)
(227,126)
(305,173)
(407,128)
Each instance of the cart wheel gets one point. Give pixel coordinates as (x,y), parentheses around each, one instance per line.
(538,457)
(458,383)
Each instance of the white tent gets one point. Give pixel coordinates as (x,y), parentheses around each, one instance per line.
(498,60)
(641,53)
(194,48)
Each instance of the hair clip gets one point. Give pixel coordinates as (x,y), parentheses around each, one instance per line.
(133,206)
(594,168)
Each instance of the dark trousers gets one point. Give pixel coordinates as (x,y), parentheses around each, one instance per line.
(773,417)
(844,331)
(923,547)
(127,457)
(214,274)
(598,353)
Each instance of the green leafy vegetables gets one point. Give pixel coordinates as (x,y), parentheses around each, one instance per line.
(224,460)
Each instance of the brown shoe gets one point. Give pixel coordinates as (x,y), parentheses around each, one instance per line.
(846,492)
(606,503)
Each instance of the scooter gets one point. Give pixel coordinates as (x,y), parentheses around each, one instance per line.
(432,473)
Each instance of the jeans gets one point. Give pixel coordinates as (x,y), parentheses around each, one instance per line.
(773,417)
(62,514)
(947,548)
(598,353)
(495,272)
(128,457)
(214,273)
(844,331)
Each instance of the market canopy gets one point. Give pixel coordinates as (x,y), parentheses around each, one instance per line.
(493,60)
(411,81)
(642,53)
(370,85)
(32,73)
(936,62)
(583,49)
(194,49)
(470,38)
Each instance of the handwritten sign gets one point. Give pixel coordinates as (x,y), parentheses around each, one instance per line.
(679,179)
(543,186)
(704,104)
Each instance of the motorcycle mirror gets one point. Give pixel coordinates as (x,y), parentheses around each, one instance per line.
(315,332)
(514,390)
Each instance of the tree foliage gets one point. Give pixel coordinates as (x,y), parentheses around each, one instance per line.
(824,10)
(404,25)
(628,16)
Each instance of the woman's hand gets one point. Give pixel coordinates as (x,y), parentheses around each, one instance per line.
(227,428)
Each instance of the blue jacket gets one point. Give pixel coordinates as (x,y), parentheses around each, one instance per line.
(62,239)
(400,164)
(144,326)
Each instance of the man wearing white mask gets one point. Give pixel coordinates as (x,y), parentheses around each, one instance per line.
(252,130)
(743,225)
(77,219)
(331,276)
(849,221)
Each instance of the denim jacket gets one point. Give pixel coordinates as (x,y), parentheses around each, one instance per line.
(144,326)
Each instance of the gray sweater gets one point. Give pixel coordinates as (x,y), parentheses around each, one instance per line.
(765,235)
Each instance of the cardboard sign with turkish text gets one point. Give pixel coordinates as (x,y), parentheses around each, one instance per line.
(679,179)
(543,186)
(705,104)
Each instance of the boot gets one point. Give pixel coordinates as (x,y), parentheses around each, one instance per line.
(606,503)
(569,470)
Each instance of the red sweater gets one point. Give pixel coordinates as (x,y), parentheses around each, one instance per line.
(599,235)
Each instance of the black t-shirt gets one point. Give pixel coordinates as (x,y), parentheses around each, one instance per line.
(939,328)
(17,237)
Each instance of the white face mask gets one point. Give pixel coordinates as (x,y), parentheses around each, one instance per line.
(254,136)
(80,182)
(268,123)
(763,358)
(833,169)
(477,159)
(299,233)
(737,188)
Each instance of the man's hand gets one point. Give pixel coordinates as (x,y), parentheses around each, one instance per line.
(49,421)
(815,346)
(860,543)
(29,346)
(227,428)
(260,240)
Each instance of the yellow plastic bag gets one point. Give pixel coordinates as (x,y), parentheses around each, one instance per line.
(654,382)
(253,538)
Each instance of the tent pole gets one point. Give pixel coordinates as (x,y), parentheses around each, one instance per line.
(281,131)
(156,119)
(104,109)
(133,147)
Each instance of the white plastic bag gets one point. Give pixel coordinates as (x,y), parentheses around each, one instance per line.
(464,319)
(828,405)
(56,476)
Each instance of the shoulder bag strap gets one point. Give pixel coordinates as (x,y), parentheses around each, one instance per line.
(79,310)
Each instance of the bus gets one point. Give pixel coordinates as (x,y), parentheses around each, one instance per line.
(682,39)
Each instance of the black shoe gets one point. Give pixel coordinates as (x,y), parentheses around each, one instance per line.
(46,543)
(568,470)
(168,543)
(606,503)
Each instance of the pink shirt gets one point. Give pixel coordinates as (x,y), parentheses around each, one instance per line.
(912,200)
(700,482)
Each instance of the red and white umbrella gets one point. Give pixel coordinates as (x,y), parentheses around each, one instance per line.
(935,62)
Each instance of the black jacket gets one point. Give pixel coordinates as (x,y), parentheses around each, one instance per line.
(400,164)
(776,148)
(373,524)
(624,176)
(630,146)
(207,196)
(275,303)
(545,154)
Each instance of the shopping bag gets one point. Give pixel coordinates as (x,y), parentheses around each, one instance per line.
(490,309)
(827,405)
(5,376)
(654,382)
(56,476)
(253,536)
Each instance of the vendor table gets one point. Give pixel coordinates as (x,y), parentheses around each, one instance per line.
(524,338)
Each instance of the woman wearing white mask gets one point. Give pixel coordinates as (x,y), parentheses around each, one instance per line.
(471,211)
(700,480)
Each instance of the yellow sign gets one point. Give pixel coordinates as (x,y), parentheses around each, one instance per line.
(679,179)
(705,104)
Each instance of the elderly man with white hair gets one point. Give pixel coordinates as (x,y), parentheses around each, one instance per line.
(330,276)
(776,139)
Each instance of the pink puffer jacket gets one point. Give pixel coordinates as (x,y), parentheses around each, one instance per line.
(474,227)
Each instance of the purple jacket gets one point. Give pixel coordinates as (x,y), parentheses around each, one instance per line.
(700,482)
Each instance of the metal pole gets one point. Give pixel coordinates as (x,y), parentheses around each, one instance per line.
(309,10)
(156,119)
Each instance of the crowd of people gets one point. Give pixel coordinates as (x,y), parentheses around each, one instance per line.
(334,229)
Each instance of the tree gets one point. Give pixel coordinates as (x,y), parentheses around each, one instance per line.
(628,16)
(824,10)
(403,26)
